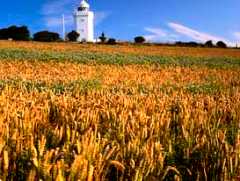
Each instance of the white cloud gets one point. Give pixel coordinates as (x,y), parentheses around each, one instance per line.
(157,31)
(158,34)
(52,13)
(196,35)
(237,35)
(100,16)
(55,21)
(56,7)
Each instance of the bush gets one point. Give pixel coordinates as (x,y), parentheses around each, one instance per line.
(193,44)
(188,44)
(139,39)
(4,34)
(46,36)
(73,36)
(209,44)
(103,38)
(112,41)
(15,33)
(221,44)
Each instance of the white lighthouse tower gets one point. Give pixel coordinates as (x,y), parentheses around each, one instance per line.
(84,22)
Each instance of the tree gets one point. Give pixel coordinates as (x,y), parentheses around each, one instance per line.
(3,34)
(73,36)
(193,44)
(139,39)
(221,44)
(20,33)
(15,33)
(112,41)
(103,38)
(209,44)
(188,44)
(46,36)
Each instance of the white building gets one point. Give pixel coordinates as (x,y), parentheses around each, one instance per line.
(84,22)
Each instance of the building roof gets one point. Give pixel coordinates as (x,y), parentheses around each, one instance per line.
(84,4)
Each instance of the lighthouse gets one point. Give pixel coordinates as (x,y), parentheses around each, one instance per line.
(84,22)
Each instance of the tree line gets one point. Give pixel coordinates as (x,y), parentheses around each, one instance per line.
(22,33)
(15,33)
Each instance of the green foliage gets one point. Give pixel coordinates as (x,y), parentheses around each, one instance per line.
(15,33)
(119,59)
(207,88)
(221,44)
(46,36)
(103,38)
(112,41)
(139,39)
(209,44)
(73,36)
(81,85)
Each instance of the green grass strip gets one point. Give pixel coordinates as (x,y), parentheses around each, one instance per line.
(118,59)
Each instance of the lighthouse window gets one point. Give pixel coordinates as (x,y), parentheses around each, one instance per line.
(82,9)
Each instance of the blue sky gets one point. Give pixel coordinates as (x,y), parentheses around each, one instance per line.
(157,20)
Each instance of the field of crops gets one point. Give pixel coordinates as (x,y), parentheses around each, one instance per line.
(124,112)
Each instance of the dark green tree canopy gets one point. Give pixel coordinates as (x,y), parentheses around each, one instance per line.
(46,36)
(221,44)
(15,33)
(73,36)
(209,44)
(112,41)
(103,38)
(139,39)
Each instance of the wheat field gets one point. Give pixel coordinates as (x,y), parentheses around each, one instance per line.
(66,120)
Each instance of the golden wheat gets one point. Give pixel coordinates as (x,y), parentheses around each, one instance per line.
(66,121)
